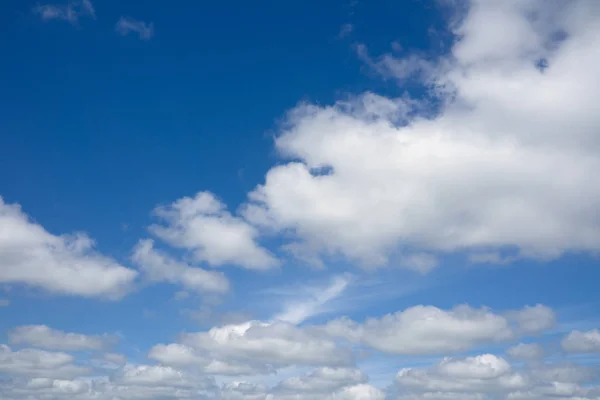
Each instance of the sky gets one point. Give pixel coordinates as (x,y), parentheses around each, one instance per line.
(341,200)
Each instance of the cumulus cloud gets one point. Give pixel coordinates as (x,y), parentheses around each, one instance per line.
(322,380)
(202,225)
(44,337)
(70,12)
(488,376)
(239,390)
(526,351)
(39,364)
(424,330)
(582,342)
(158,266)
(534,319)
(484,373)
(127,25)
(509,160)
(251,348)
(276,344)
(65,264)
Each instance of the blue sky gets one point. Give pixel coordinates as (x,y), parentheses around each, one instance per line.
(296,200)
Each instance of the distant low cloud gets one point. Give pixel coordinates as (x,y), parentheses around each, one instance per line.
(70,12)
(128,25)
(43,337)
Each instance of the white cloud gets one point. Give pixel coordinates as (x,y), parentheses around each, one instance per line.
(47,338)
(358,392)
(425,330)
(202,225)
(38,363)
(526,351)
(510,160)
(582,342)
(534,319)
(484,373)
(251,348)
(322,380)
(70,12)
(65,264)
(158,266)
(300,310)
(239,390)
(127,25)
(490,377)
(153,375)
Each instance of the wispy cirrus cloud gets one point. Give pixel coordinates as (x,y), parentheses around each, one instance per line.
(127,25)
(70,12)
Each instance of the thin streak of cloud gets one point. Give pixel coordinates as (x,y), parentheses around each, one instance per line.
(301,309)
(127,25)
(70,12)
(345,31)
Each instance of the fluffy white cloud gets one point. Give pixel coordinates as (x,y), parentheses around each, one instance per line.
(582,342)
(70,12)
(158,266)
(490,377)
(484,373)
(510,160)
(202,225)
(47,338)
(425,330)
(38,364)
(251,348)
(63,264)
(127,25)
(526,351)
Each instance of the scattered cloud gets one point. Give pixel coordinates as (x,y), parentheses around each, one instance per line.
(158,266)
(423,330)
(202,225)
(44,337)
(582,342)
(488,376)
(70,12)
(127,25)
(533,319)
(39,363)
(526,351)
(345,30)
(65,264)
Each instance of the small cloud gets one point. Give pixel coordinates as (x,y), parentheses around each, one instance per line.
(345,30)
(4,302)
(70,12)
(127,25)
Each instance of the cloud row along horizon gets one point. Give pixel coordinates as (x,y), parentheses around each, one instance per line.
(414,243)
